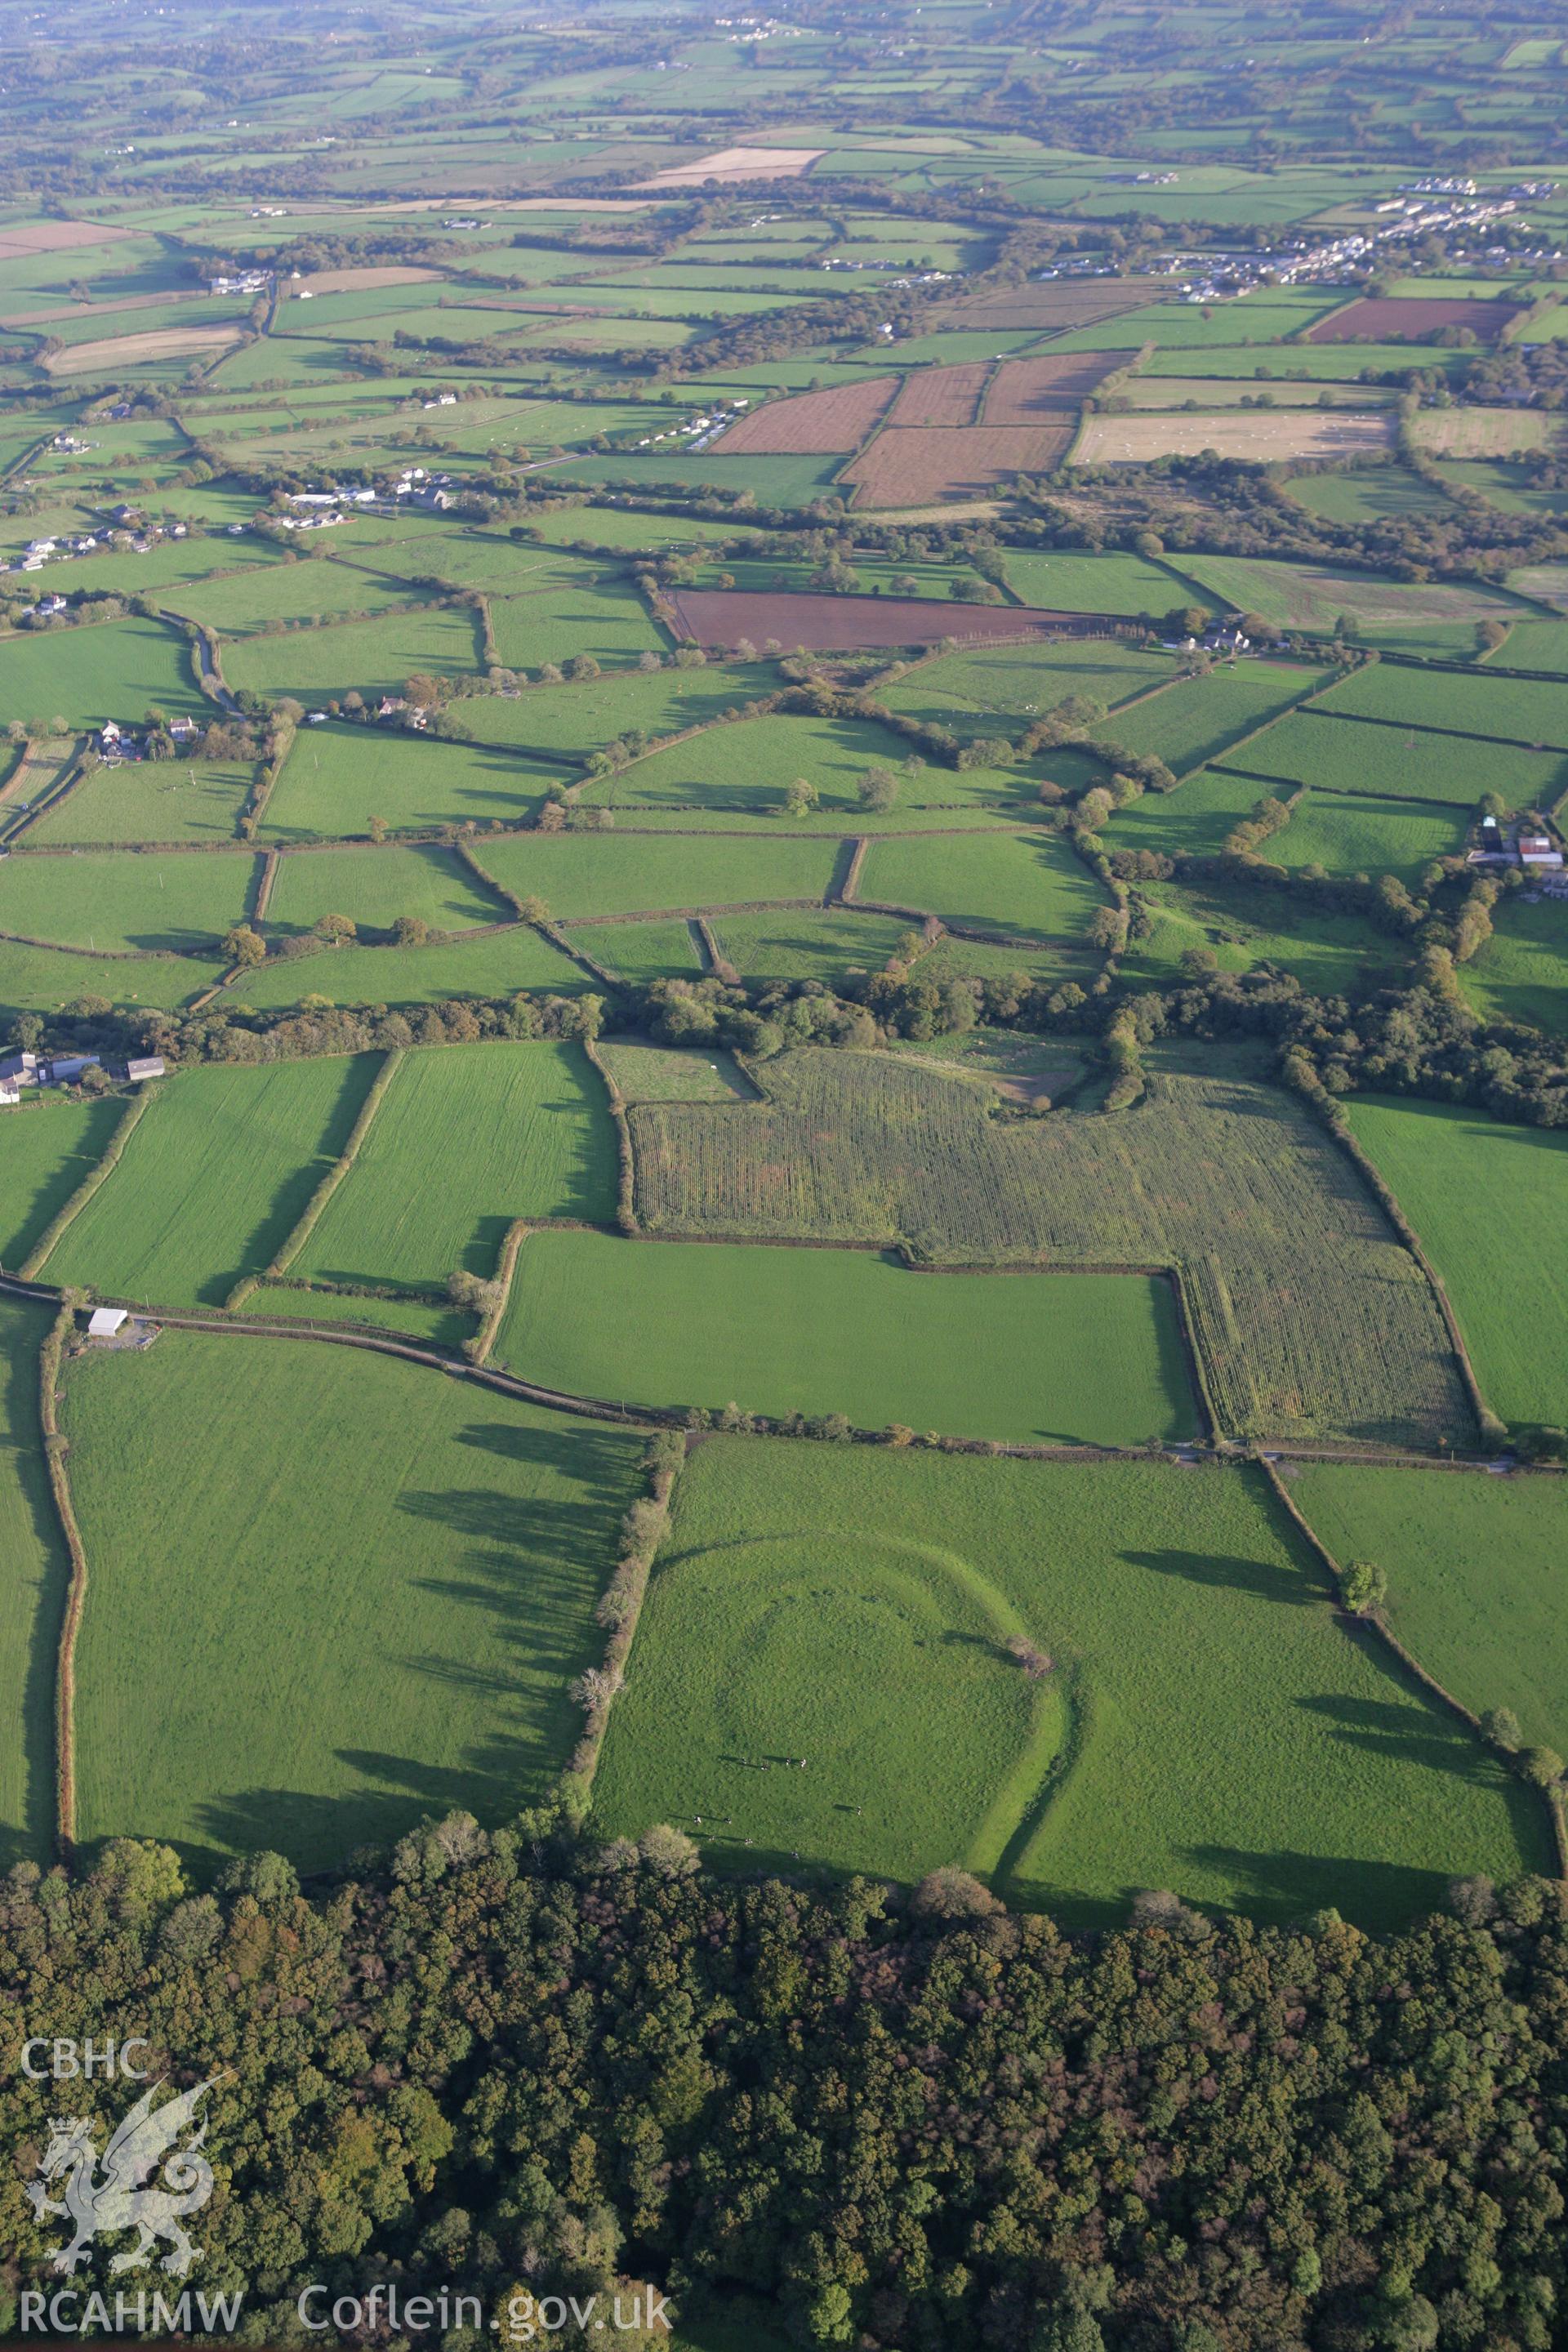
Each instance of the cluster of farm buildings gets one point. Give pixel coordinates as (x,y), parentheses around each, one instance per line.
(18,1071)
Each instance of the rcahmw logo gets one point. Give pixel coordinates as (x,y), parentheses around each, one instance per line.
(150,2177)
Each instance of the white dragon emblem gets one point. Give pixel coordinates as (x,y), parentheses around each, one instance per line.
(126,2194)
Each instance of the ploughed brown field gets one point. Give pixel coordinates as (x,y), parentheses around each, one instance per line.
(941,395)
(1043,391)
(905,466)
(721,616)
(811,422)
(1394,318)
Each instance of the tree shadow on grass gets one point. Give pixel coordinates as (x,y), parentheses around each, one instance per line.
(1286,1584)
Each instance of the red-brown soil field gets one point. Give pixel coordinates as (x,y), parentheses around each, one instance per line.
(811,423)
(941,395)
(1396,318)
(908,467)
(1043,391)
(722,617)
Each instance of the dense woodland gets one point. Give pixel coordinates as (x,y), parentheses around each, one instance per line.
(532,2063)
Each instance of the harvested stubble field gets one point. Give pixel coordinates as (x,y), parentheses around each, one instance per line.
(1030,1359)
(726,617)
(212,1181)
(810,422)
(1527,711)
(1474,1577)
(1407,318)
(853,1606)
(1045,390)
(1260,436)
(908,467)
(941,395)
(1309,1319)
(116,354)
(537,1142)
(1352,755)
(403,1616)
(1502,1271)
(1063,303)
(732,165)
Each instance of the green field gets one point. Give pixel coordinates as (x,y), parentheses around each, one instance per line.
(646,1072)
(1346,835)
(150,903)
(1032,1359)
(997,689)
(32,1592)
(396,1618)
(315,589)
(44,979)
(1522,973)
(1474,1577)
(1201,717)
(212,1181)
(111,669)
(1373,495)
(642,951)
(608,619)
(373,656)
(1032,883)
(1247,924)
(581,715)
(624,873)
(1438,618)
(853,1606)
(1486,1200)
(155,800)
(47,1148)
(798,945)
(1526,710)
(1194,820)
(1538,644)
(375,886)
(1063,581)
(336,780)
(1351,755)
(536,1141)
(1224,1177)
(747,768)
(476,964)
(410,1319)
